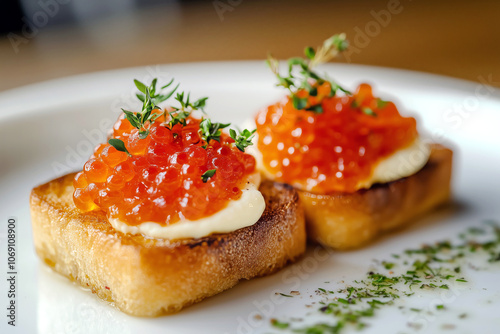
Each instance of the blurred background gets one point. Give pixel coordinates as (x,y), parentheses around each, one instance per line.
(46,39)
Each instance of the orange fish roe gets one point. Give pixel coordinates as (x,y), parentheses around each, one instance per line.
(333,150)
(161,182)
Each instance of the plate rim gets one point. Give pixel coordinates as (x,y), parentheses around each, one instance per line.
(75,83)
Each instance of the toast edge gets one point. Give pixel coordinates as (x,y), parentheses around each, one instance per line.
(347,221)
(159,276)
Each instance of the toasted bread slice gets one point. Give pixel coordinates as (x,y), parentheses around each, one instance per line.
(350,220)
(149,277)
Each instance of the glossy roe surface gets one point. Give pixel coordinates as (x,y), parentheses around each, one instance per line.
(333,150)
(161,182)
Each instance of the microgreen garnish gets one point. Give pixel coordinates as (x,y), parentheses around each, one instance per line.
(243,139)
(119,145)
(302,77)
(211,131)
(208,174)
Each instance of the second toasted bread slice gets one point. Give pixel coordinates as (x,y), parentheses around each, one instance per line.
(351,220)
(148,277)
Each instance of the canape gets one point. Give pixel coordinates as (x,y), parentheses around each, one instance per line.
(360,167)
(170,211)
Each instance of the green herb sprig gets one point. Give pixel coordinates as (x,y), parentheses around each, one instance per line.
(151,98)
(180,114)
(211,131)
(301,75)
(243,139)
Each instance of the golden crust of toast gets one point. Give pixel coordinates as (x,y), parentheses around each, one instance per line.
(351,220)
(149,277)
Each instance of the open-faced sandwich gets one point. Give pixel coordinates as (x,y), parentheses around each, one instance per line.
(359,166)
(168,212)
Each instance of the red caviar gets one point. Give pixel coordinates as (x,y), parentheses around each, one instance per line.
(161,182)
(333,150)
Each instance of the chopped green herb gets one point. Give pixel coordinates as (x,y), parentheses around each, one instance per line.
(279,324)
(427,268)
(285,295)
(475,231)
(494,257)
(388,265)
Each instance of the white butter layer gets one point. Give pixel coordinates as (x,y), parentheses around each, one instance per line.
(239,213)
(402,163)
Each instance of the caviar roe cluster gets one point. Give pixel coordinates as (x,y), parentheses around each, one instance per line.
(161,181)
(333,150)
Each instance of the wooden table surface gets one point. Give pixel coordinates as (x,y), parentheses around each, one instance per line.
(454,38)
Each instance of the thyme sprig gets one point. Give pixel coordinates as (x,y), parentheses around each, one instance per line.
(243,139)
(211,131)
(151,98)
(180,114)
(302,77)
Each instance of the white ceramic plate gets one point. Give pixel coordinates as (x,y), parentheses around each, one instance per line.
(48,129)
